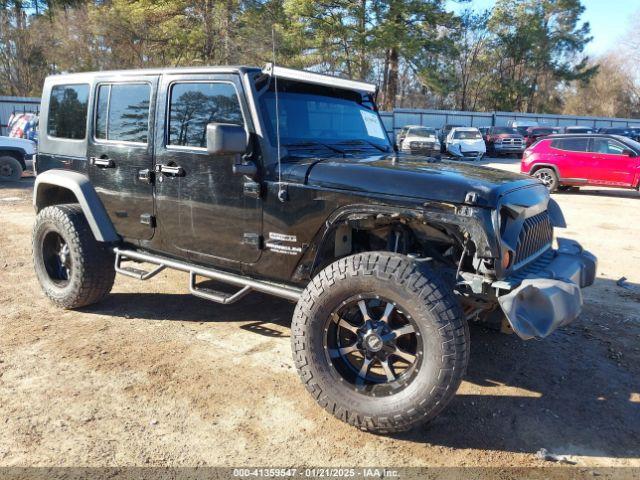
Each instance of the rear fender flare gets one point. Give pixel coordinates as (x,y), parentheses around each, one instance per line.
(82,189)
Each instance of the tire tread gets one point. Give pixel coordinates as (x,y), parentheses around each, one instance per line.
(93,261)
(418,280)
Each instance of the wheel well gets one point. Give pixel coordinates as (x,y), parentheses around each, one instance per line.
(14,154)
(392,233)
(49,195)
(539,166)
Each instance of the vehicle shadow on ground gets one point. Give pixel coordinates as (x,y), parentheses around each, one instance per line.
(25,183)
(605,192)
(573,393)
(187,308)
(565,393)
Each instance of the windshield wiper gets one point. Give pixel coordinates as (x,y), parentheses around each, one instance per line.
(310,143)
(379,147)
(360,142)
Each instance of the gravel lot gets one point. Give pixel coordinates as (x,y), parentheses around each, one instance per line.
(154,376)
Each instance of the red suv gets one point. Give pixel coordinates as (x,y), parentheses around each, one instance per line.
(561,161)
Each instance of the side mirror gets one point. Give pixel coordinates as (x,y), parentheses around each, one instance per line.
(629,153)
(226,139)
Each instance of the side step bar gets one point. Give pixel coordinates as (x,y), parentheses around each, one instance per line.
(245,284)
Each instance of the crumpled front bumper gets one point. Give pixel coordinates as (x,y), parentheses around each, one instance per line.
(550,297)
(457,151)
(509,148)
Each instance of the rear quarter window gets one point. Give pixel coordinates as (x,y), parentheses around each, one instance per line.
(67,116)
(571,144)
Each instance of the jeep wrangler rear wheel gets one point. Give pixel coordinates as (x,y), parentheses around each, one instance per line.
(73,268)
(380,341)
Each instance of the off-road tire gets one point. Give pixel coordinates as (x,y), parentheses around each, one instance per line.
(10,169)
(437,313)
(92,273)
(549,177)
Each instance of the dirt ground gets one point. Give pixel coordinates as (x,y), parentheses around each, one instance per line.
(154,376)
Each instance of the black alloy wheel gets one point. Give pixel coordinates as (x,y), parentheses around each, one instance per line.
(373,345)
(56,257)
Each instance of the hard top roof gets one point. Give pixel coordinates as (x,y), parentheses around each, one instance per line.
(269,69)
(588,135)
(159,71)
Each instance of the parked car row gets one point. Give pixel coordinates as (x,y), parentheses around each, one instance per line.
(461,141)
(458,141)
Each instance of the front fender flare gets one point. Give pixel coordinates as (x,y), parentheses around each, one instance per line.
(83,190)
(462,219)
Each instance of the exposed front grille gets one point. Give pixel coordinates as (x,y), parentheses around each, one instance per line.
(512,141)
(421,144)
(536,235)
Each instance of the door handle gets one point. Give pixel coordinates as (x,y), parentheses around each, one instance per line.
(246,168)
(102,162)
(171,170)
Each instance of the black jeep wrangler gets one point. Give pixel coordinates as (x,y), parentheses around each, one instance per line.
(285,182)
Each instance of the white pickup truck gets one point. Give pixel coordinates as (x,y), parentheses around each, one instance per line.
(16,155)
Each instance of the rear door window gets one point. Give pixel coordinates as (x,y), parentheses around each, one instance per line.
(68,111)
(122,113)
(571,144)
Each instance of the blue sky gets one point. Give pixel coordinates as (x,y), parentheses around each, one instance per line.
(609,19)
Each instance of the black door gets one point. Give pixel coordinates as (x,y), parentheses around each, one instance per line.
(204,210)
(120,153)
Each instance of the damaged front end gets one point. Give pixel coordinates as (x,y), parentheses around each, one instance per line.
(540,288)
(547,295)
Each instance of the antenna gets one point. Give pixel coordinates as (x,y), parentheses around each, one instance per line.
(282,193)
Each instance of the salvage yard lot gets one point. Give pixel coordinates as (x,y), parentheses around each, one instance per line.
(154,376)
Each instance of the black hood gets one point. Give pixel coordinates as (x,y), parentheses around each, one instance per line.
(407,176)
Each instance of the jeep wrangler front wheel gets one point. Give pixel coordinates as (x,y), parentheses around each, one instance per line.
(380,341)
(73,268)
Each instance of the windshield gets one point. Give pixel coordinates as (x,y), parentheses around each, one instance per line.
(617,131)
(630,142)
(508,130)
(422,132)
(542,131)
(579,130)
(467,135)
(312,114)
